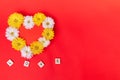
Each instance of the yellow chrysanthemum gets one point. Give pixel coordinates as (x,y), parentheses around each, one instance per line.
(15,20)
(18,43)
(39,18)
(48,33)
(36,47)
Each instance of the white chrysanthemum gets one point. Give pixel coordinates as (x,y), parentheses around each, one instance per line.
(48,23)
(28,22)
(26,52)
(11,33)
(44,41)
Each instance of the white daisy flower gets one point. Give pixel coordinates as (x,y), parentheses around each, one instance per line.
(11,33)
(44,41)
(48,23)
(26,52)
(28,22)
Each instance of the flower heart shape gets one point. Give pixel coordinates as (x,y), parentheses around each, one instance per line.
(17,20)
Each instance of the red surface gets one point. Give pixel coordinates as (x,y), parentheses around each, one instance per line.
(87,40)
(31,34)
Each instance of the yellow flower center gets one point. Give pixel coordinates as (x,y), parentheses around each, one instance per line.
(28,21)
(47,23)
(18,44)
(43,41)
(15,20)
(26,52)
(48,34)
(12,33)
(38,18)
(36,47)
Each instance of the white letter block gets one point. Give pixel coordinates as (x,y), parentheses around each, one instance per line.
(41,64)
(57,60)
(10,62)
(26,64)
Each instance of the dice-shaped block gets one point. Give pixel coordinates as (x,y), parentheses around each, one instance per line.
(26,64)
(57,60)
(41,64)
(10,62)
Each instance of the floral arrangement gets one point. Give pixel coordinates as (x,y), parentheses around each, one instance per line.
(16,20)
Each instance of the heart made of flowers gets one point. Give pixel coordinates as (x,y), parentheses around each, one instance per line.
(16,20)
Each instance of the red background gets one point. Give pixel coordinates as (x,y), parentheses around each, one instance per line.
(87,40)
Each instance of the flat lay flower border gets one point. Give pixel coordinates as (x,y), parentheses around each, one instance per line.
(16,20)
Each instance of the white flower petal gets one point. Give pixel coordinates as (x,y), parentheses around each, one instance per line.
(26,52)
(44,41)
(48,23)
(11,33)
(28,22)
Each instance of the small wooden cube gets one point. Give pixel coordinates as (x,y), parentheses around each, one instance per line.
(57,61)
(41,64)
(26,64)
(10,62)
